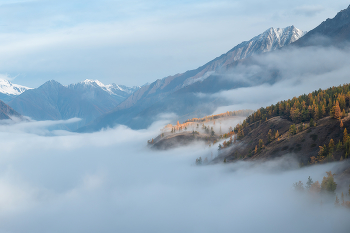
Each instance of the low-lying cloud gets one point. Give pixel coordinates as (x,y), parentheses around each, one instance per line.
(109,181)
(296,71)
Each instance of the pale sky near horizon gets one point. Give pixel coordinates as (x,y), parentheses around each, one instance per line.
(134,42)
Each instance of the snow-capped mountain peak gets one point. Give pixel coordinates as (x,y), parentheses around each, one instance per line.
(8,88)
(269,40)
(112,89)
(273,38)
(96,83)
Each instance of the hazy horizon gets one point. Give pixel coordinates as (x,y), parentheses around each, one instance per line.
(68,41)
(123,172)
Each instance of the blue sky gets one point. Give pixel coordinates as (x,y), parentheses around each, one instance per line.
(133,42)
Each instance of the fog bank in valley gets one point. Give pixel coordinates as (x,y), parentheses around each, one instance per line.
(296,71)
(110,181)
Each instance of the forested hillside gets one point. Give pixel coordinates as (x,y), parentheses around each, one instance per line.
(313,126)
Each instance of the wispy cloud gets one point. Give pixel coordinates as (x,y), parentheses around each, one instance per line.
(309,10)
(298,71)
(70,41)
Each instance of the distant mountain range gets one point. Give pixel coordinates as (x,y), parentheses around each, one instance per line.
(53,101)
(102,106)
(178,93)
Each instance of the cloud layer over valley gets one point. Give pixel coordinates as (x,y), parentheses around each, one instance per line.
(110,181)
(296,71)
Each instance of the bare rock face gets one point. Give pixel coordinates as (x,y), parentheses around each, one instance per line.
(6,112)
(333,31)
(270,40)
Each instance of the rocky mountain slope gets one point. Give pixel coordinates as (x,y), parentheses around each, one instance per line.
(333,31)
(178,93)
(86,100)
(119,92)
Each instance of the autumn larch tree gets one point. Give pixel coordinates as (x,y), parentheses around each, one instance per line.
(261,144)
(345,136)
(269,136)
(328,183)
(331,146)
(336,111)
(292,129)
(315,187)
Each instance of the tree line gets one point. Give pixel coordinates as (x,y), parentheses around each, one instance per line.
(334,101)
(324,190)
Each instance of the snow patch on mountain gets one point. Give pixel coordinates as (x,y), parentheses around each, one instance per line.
(112,89)
(9,88)
(269,40)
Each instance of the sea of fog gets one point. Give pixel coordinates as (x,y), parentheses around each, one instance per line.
(109,181)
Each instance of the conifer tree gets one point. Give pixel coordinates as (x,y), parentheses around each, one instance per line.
(328,183)
(269,136)
(312,123)
(323,110)
(331,145)
(341,124)
(292,129)
(277,134)
(336,111)
(261,144)
(309,183)
(345,136)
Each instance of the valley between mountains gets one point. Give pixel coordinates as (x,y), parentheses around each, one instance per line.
(255,138)
(281,97)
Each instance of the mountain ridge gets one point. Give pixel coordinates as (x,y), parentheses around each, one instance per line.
(146,96)
(334,31)
(54,101)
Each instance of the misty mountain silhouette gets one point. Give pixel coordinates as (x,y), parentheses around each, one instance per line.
(178,93)
(86,100)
